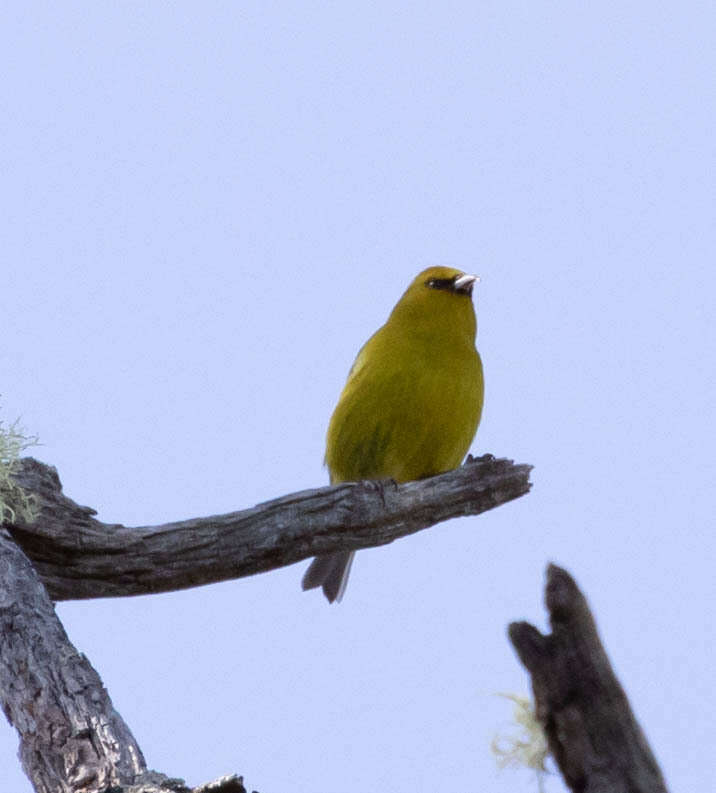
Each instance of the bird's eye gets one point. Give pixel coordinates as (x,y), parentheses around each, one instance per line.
(441,283)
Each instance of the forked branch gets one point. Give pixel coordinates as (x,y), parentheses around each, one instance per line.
(592,733)
(71,738)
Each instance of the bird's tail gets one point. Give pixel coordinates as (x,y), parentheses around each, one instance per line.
(330,572)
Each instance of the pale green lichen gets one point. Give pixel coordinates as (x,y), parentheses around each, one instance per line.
(526,745)
(15,503)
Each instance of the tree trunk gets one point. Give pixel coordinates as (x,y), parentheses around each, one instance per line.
(71,737)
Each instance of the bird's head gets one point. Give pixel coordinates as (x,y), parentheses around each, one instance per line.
(438,301)
(445,279)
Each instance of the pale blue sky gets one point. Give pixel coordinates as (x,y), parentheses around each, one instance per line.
(209,207)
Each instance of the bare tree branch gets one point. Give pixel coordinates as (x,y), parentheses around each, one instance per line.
(592,733)
(154,782)
(71,738)
(78,557)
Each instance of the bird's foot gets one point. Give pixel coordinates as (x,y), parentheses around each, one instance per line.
(380,486)
(485,458)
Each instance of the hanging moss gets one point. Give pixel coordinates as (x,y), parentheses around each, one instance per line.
(15,504)
(526,746)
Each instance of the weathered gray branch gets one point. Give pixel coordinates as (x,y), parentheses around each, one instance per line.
(78,557)
(592,733)
(71,738)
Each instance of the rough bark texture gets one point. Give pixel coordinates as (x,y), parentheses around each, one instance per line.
(592,733)
(78,557)
(154,782)
(71,738)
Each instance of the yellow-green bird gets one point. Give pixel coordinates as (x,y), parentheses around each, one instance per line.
(412,402)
